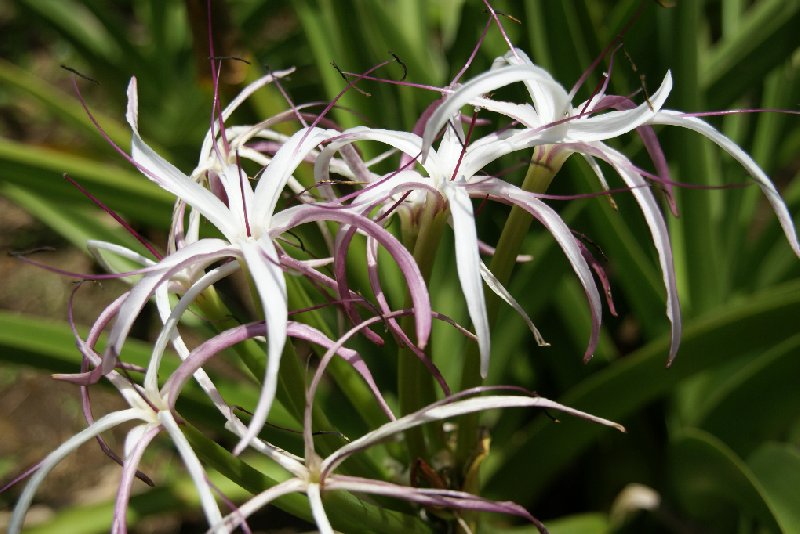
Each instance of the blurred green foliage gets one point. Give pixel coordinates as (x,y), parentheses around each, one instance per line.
(716,436)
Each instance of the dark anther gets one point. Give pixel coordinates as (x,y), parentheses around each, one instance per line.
(29,252)
(73,71)
(235,58)
(506,15)
(341,73)
(405,69)
(641,77)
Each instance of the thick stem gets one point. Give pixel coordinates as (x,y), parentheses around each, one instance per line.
(545,163)
(416,386)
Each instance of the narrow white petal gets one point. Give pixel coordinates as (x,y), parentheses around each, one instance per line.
(676,118)
(505,192)
(552,100)
(258,502)
(262,261)
(615,123)
(468,264)
(658,230)
(171,317)
(199,253)
(444,410)
(283,164)
(170,178)
(101,425)
(195,468)
(317,510)
(236,102)
(500,290)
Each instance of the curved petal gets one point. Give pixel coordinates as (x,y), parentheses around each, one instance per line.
(615,123)
(264,266)
(133,455)
(458,500)
(550,105)
(101,425)
(202,252)
(237,517)
(504,192)
(658,230)
(500,290)
(447,410)
(166,176)
(468,264)
(283,164)
(254,86)
(195,468)
(675,118)
(405,261)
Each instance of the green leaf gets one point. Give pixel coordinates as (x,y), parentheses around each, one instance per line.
(777,467)
(765,39)
(737,403)
(711,481)
(626,386)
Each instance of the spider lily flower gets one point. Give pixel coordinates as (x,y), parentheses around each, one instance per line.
(450,183)
(314,475)
(249,225)
(561,129)
(153,414)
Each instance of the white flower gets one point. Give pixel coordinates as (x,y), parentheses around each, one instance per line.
(551,120)
(249,225)
(450,182)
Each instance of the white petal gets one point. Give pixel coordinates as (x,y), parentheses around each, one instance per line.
(445,410)
(615,123)
(676,118)
(658,230)
(317,510)
(550,102)
(262,261)
(237,517)
(201,252)
(195,468)
(101,425)
(168,177)
(500,290)
(468,263)
(283,164)
(236,102)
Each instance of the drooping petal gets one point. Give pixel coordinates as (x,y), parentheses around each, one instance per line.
(144,434)
(658,230)
(194,467)
(676,118)
(504,192)
(405,261)
(264,266)
(317,510)
(499,290)
(457,500)
(101,425)
(550,106)
(444,410)
(170,178)
(201,252)
(309,333)
(468,264)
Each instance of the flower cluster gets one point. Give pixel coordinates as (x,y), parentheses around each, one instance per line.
(229,219)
